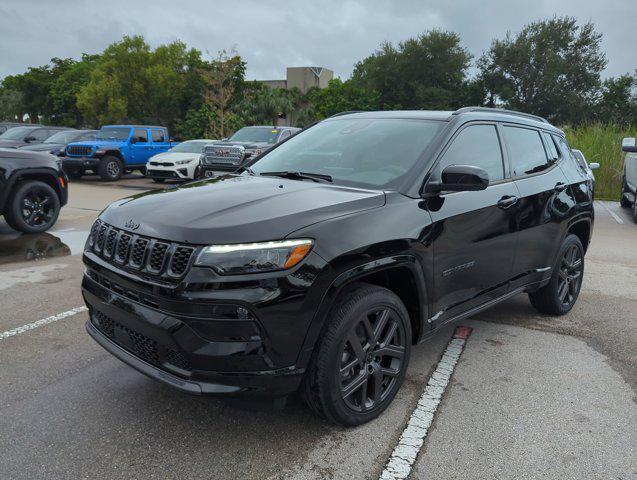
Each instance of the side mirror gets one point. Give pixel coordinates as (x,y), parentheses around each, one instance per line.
(593,165)
(29,139)
(629,144)
(460,178)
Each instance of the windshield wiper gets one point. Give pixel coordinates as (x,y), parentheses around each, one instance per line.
(315,177)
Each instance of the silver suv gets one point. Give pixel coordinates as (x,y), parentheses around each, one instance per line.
(629,176)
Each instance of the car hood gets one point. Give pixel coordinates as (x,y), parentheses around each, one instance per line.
(237,209)
(12,143)
(174,156)
(247,145)
(43,147)
(99,143)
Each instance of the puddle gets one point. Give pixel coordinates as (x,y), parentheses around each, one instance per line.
(16,248)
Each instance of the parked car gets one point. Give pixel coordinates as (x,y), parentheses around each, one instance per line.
(117,149)
(246,143)
(27,135)
(178,163)
(4,126)
(629,176)
(56,143)
(587,167)
(318,265)
(33,188)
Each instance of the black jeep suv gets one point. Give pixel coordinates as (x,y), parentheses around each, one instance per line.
(33,188)
(318,265)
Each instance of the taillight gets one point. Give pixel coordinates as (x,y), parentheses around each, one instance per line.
(62,184)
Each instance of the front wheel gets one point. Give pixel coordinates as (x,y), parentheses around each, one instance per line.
(110,168)
(33,208)
(361,358)
(560,294)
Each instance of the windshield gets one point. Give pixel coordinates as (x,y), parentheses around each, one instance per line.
(114,133)
(361,152)
(191,146)
(256,134)
(17,133)
(65,137)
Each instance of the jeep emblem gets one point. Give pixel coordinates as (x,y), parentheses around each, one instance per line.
(132,224)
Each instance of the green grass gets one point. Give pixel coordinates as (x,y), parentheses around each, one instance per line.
(602,143)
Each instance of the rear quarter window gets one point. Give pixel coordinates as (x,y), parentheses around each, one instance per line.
(526,150)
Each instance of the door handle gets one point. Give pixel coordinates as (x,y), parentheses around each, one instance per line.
(560,187)
(507,201)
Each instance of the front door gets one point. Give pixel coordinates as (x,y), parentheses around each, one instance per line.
(476,236)
(141,148)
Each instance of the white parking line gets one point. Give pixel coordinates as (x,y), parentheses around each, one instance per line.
(616,217)
(404,455)
(41,322)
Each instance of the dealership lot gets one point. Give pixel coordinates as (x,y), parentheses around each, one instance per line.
(530,397)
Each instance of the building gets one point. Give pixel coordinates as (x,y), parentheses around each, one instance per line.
(302,78)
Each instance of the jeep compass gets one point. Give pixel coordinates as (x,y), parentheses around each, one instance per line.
(320,264)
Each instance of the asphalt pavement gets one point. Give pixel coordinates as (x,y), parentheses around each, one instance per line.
(530,397)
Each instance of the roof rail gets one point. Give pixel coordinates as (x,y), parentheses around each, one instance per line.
(345,113)
(499,110)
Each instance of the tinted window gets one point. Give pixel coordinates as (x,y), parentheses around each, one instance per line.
(476,145)
(113,133)
(566,152)
(526,150)
(140,136)
(158,136)
(41,134)
(87,136)
(256,134)
(17,133)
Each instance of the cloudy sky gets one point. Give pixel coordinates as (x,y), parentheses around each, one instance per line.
(272,35)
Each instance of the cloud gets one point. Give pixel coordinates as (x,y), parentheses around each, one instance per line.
(274,35)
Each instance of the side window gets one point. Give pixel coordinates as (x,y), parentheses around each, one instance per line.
(158,136)
(566,153)
(476,145)
(86,137)
(140,135)
(41,134)
(526,150)
(549,141)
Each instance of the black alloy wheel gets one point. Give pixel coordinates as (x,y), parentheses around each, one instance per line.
(361,356)
(34,208)
(560,294)
(570,275)
(372,356)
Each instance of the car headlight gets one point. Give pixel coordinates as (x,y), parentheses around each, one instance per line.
(255,257)
(182,162)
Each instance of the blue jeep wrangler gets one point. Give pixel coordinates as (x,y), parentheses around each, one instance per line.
(117,149)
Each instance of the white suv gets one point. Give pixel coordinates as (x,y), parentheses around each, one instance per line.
(178,163)
(629,176)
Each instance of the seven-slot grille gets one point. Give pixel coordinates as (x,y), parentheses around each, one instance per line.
(150,256)
(79,150)
(225,155)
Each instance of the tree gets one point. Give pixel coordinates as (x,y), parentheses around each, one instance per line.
(266,105)
(426,72)
(220,78)
(11,105)
(551,68)
(33,85)
(618,102)
(341,96)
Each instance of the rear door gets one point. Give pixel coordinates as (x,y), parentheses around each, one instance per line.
(141,147)
(544,201)
(475,240)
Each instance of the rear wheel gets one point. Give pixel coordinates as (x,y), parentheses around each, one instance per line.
(34,207)
(360,361)
(110,168)
(559,296)
(623,201)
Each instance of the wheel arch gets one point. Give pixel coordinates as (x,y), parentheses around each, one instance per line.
(582,228)
(38,175)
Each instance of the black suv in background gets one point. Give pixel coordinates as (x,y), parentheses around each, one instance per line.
(56,143)
(246,144)
(319,264)
(33,188)
(27,135)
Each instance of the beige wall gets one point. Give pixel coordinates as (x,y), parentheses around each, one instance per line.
(305,78)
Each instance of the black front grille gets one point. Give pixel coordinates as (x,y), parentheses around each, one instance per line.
(134,252)
(79,150)
(161,174)
(139,344)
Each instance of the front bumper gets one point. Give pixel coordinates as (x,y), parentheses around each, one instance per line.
(79,163)
(202,346)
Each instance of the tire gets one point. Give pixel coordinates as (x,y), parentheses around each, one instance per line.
(635,210)
(622,200)
(159,180)
(33,207)
(75,174)
(110,168)
(360,360)
(562,291)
